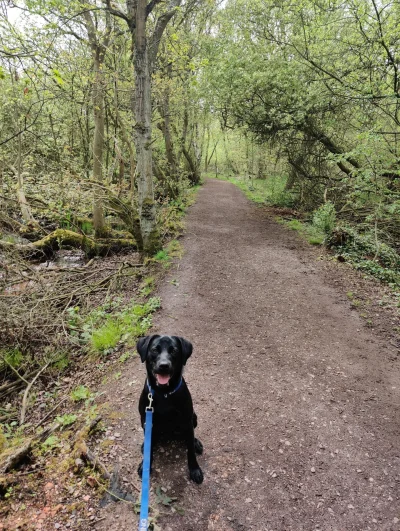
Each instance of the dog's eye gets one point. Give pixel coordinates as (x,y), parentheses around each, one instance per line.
(154,350)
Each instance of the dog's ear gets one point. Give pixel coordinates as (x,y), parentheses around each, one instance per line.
(142,346)
(187,348)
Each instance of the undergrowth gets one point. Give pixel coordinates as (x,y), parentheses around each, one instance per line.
(90,344)
(366,254)
(363,250)
(271,191)
(311,233)
(111,323)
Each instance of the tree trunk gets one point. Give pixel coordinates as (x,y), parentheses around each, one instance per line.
(165,126)
(144,59)
(261,163)
(206,162)
(23,203)
(194,175)
(99,48)
(98,147)
(193,162)
(169,148)
(228,163)
(142,134)
(197,148)
(127,140)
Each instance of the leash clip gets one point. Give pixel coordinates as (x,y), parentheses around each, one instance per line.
(149,407)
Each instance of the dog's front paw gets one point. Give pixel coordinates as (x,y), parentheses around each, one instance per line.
(196,475)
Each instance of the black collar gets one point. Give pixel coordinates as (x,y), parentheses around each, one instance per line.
(166,395)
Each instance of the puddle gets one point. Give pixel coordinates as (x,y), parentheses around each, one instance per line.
(65,258)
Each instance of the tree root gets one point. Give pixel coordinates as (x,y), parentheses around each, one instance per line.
(67,238)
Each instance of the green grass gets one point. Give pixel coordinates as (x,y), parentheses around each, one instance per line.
(162,256)
(294,224)
(316,240)
(113,323)
(147,286)
(313,235)
(165,256)
(271,191)
(87,227)
(107,336)
(123,326)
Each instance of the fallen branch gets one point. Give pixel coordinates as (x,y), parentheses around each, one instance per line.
(11,460)
(80,449)
(9,417)
(63,237)
(88,457)
(28,388)
(50,413)
(9,388)
(10,365)
(12,457)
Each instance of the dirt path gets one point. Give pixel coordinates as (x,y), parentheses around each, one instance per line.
(298,402)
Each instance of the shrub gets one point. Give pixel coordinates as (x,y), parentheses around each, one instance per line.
(366,254)
(324,218)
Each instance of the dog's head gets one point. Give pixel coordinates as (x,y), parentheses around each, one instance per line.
(165,357)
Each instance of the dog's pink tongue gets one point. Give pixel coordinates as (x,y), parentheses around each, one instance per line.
(162,379)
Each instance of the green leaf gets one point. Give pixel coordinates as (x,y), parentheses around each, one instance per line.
(80,393)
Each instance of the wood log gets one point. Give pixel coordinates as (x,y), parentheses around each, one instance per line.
(61,237)
(12,457)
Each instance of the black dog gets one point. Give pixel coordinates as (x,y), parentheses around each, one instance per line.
(173,416)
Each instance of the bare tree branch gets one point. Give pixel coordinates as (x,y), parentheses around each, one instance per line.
(161,24)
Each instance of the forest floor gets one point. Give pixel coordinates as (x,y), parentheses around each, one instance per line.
(295,378)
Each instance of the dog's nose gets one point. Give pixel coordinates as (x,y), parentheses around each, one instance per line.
(165,367)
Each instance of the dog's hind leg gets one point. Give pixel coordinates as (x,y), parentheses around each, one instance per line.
(198,447)
(195,471)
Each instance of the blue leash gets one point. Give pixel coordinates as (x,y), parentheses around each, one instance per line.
(148,426)
(144,499)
